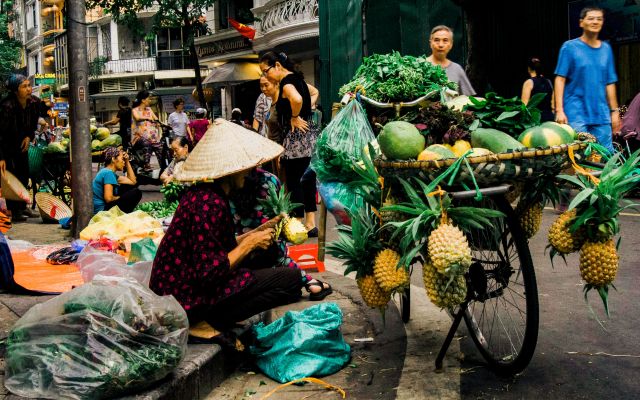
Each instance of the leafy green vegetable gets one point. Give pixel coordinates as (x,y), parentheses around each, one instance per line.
(393,77)
(158,209)
(511,116)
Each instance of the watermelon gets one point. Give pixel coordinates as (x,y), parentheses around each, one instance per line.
(95,144)
(111,141)
(545,135)
(494,140)
(400,140)
(102,133)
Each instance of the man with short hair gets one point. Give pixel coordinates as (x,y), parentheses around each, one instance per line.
(585,84)
(441,43)
(178,120)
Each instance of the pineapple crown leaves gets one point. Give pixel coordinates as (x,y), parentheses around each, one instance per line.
(368,186)
(541,191)
(603,291)
(598,205)
(426,212)
(357,244)
(277,201)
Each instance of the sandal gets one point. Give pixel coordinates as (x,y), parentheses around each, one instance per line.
(321,294)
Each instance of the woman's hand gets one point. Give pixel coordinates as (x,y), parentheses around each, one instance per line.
(270,224)
(299,123)
(262,239)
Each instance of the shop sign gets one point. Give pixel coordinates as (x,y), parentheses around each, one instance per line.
(62,106)
(225,46)
(63,115)
(45,79)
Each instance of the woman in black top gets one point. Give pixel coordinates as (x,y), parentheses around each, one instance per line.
(539,84)
(124,119)
(293,109)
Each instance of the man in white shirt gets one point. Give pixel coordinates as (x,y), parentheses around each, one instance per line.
(441,43)
(178,120)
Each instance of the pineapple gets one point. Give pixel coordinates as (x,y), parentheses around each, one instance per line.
(515,192)
(449,250)
(357,245)
(389,275)
(443,291)
(372,293)
(530,218)
(279,203)
(560,236)
(389,216)
(597,207)
(598,263)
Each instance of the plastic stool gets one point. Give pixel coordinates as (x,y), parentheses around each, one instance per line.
(306,256)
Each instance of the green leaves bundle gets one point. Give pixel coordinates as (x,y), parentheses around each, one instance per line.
(511,116)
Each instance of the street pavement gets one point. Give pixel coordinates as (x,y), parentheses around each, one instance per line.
(575,357)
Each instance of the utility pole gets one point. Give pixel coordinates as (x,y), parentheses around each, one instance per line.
(81,175)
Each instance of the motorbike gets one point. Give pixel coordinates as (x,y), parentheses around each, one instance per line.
(137,153)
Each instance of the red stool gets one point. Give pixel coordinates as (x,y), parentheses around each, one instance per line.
(306,256)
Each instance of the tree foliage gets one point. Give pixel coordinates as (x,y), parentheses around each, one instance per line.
(10,48)
(185,14)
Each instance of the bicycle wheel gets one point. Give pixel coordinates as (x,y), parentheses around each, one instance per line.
(502,312)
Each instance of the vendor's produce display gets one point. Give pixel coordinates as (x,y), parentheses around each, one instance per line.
(278,202)
(101,138)
(104,339)
(122,228)
(171,193)
(392,78)
(508,115)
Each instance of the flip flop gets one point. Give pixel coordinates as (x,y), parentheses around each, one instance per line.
(321,294)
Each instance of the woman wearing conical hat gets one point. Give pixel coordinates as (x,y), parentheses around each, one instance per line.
(200,261)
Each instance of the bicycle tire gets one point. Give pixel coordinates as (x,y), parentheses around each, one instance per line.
(405,304)
(508,349)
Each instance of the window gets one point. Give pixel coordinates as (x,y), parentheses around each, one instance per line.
(239,10)
(171,54)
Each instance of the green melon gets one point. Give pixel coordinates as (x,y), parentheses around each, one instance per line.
(545,135)
(113,140)
(494,140)
(95,144)
(442,150)
(102,133)
(400,140)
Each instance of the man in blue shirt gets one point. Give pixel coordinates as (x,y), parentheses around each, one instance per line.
(585,84)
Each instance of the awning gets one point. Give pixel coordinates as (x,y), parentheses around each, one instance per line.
(112,95)
(233,72)
(165,91)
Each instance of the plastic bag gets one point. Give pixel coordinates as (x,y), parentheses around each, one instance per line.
(103,339)
(340,200)
(142,250)
(302,344)
(92,262)
(341,143)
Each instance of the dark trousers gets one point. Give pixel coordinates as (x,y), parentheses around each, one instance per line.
(273,287)
(302,190)
(129,198)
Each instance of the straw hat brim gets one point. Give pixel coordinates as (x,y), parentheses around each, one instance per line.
(226,149)
(13,189)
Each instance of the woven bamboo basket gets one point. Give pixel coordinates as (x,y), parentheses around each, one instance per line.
(493,169)
(51,208)
(13,189)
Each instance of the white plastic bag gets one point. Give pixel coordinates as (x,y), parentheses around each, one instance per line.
(92,262)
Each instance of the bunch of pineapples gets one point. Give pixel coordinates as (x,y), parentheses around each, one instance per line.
(378,272)
(278,202)
(430,231)
(532,201)
(591,222)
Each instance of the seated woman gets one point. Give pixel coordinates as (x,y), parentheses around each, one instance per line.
(109,189)
(180,148)
(200,260)
(248,215)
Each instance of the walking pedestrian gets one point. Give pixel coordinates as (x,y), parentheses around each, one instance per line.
(19,114)
(198,127)
(299,132)
(585,84)
(144,128)
(178,120)
(537,83)
(124,119)
(441,43)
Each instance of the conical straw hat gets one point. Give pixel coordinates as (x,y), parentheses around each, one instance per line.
(13,189)
(225,149)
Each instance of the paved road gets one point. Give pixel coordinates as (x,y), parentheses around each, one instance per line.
(575,358)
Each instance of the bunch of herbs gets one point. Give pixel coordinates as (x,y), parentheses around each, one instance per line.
(394,78)
(511,116)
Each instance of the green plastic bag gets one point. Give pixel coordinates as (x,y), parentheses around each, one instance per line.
(341,144)
(142,250)
(302,344)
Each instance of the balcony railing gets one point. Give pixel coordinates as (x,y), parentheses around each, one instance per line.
(128,65)
(285,14)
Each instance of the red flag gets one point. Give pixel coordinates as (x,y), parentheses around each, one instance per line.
(244,30)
